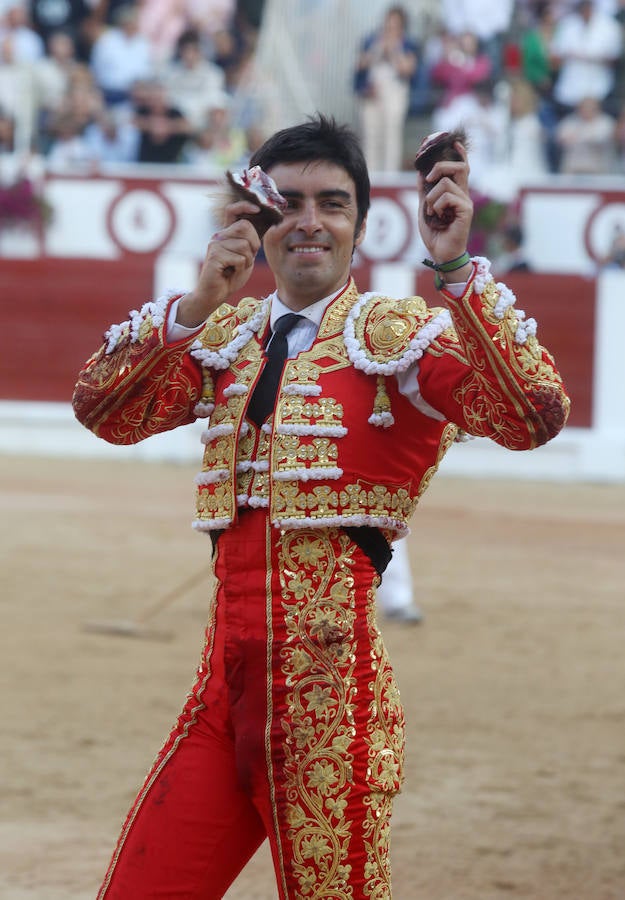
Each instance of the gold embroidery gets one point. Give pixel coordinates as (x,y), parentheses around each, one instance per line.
(385,327)
(385,739)
(447,438)
(318,664)
(382,402)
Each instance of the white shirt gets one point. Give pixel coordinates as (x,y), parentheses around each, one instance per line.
(599,43)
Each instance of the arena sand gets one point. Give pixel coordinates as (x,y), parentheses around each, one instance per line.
(514,686)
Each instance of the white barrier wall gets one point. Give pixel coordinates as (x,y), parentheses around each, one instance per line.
(592,454)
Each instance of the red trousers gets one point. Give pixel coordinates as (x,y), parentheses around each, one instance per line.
(293,730)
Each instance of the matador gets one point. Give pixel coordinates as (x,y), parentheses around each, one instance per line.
(293,728)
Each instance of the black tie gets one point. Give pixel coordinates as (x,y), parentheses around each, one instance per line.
(264,396)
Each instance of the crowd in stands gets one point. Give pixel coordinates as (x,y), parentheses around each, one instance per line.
(104,81)
(538,85)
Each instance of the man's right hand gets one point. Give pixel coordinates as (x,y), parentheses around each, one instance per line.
(227,266)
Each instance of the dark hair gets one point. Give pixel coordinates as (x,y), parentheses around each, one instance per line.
(320,138)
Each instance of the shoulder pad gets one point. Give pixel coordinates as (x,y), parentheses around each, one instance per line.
(387,335)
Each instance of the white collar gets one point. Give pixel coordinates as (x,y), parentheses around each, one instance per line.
(314,312)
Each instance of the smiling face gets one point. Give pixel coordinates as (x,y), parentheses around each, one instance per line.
(310,251)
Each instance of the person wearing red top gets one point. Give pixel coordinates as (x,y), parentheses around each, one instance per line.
(294,728)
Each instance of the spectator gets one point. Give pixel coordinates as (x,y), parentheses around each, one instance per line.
(527,136)
(386,64)
(587,138)
(489,22)
(512,257)
(163,128)
(120,56)
(615,257)
(536,60)
(111,139)
(539,69)
(163,22)
(460,67)
(51,16)
(220,145)
(67,146)
(53,73)
(586,46)
(194,84)
(16,30)
(17,93)
(485,119)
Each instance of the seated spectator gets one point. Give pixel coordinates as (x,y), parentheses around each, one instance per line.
(120,56)
(460,67)
(587,138)
(194,84)
(490,22)
(111,139)
(67,149)
(53,73)
(163,22)
(50,16)
(220,145)
(586,46)
(16,29)
(163,128)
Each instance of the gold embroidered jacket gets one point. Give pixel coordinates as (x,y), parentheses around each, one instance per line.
(344,445)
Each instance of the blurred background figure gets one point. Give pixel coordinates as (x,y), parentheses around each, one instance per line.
(120,56)
(163,128)
(615,257)
(587,140)
(527,156)
(586,46)
(511,257)
(68,149)
(385,68)
(489,22)
(49,17)
(484,114)
(395,596)
(538,68)
(111,138)
(18,34)
(461,66)
(220,145)
(194,84)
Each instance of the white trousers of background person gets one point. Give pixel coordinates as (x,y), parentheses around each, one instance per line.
(395,594)
(383,119)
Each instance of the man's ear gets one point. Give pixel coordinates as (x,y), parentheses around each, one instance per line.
(359,238)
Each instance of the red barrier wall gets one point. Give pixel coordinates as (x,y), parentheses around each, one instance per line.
(56,310)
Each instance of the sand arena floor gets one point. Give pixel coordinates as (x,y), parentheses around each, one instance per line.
(513,686)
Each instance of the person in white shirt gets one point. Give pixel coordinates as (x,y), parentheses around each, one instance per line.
(120,56)
(586,46)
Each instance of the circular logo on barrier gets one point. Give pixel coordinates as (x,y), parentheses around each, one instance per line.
(388,230)
(141,221)
(605,226)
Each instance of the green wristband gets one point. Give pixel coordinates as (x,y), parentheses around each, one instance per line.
(450,266)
